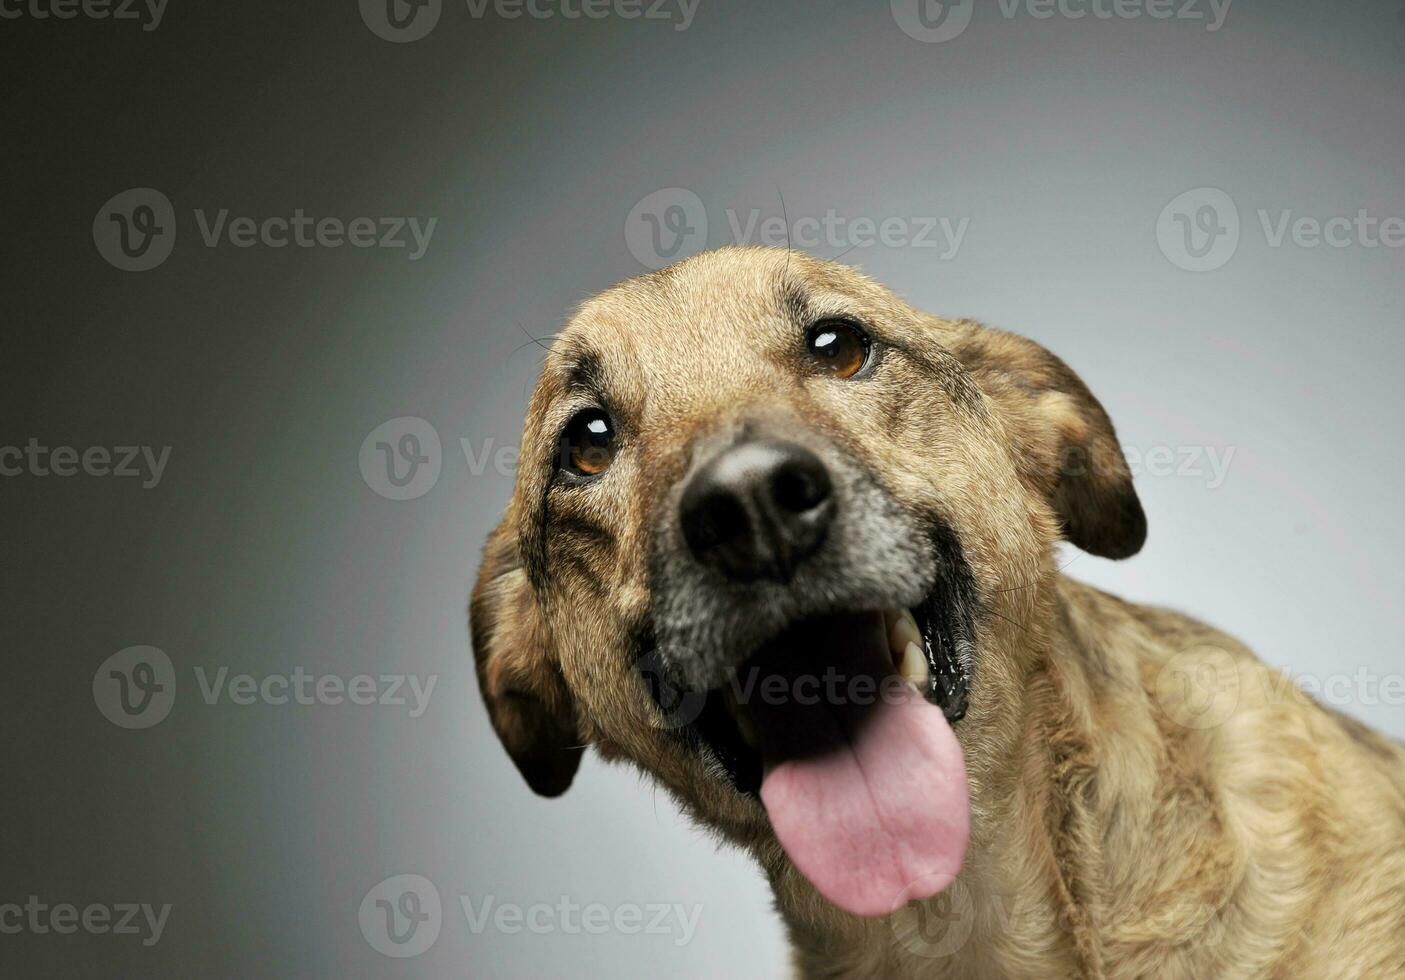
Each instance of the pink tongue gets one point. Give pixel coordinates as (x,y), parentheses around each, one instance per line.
(864,784)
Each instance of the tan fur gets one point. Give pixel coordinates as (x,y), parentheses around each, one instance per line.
(1148,799)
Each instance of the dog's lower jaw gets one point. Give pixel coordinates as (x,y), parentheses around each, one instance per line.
(1110,839)
(1010,880)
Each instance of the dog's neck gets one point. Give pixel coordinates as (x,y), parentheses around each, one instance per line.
(1047,821)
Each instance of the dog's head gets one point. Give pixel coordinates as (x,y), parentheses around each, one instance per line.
(774,534)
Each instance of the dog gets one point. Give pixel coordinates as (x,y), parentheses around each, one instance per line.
(788,545)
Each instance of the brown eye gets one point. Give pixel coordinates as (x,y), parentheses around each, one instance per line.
(839,347)
(588,443)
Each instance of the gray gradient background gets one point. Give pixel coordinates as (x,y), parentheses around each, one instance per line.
(263,549)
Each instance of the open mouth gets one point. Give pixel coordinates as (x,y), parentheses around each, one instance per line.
(939,670)
(841,725)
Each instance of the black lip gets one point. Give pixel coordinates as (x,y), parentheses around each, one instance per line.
(946,620)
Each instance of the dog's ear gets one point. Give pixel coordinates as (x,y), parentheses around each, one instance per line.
(1065,445)
(528,701)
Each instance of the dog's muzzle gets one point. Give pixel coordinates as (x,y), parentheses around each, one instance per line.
(824,632)
(764,530)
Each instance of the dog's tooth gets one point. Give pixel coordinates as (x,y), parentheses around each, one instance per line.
(904,632)
(913,667)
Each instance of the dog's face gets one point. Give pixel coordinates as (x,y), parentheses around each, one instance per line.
(775,536)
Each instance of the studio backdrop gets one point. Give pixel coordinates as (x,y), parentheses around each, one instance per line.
(277,282)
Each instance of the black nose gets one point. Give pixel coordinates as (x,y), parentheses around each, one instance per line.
(757,510)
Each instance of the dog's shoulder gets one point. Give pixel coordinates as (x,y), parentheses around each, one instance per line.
(1282,818)
(1189,667)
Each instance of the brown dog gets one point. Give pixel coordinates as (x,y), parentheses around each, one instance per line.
(787,545)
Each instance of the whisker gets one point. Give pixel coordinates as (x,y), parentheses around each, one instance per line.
(1027,585)
(531,339)
(836,258)
(786,219)
(1019,626)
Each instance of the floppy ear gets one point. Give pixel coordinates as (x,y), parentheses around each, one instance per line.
(1065,445)
(528,702)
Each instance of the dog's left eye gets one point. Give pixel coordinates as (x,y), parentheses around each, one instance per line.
(588,443)
(839,346)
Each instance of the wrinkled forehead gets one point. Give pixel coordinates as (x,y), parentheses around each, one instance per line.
(720,321)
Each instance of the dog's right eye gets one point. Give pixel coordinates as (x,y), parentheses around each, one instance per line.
(840,347)
(588,443)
